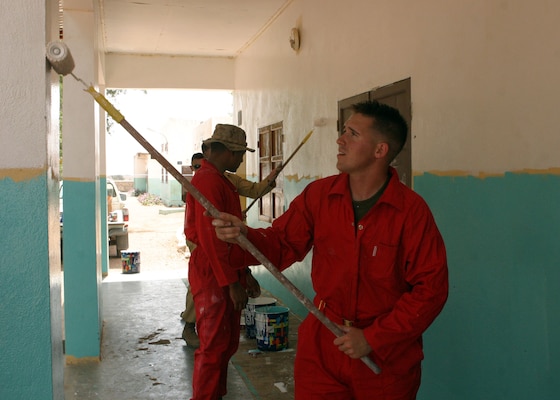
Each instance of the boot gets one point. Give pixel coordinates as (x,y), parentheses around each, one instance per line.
(190,336)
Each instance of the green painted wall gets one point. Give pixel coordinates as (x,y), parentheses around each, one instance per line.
(170,192)
(81,289)
(31,361)
(140,184)
(298,273)
(498,336)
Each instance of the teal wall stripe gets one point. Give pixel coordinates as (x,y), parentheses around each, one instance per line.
(298,273)
(497,337)
(26,362)
(154,186)
(170,192)
(81,291)
(140,185)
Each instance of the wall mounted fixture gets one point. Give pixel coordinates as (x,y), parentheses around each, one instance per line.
(294,39)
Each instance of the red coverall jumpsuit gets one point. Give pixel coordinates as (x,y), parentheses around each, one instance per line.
(388,276)
(210,273)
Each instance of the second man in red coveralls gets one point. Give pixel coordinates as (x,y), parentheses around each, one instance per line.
(219,290)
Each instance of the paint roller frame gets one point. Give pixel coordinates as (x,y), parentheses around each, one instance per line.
(60,58)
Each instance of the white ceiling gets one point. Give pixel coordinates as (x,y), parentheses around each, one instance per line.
(214,28)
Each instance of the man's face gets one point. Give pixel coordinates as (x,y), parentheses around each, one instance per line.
(357,144)
(236,160)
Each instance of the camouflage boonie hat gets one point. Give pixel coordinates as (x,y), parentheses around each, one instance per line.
(230,136)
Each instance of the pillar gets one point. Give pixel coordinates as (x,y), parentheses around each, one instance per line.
(82,208)
(31,362)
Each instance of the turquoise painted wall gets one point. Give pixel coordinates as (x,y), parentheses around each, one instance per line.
(31,359)
(498,337)
(154,186)
(298,273)
(170,192)
(81,289)
(140,184)
(174,194)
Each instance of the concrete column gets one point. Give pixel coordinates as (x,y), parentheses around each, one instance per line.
(82,209)
(31,362)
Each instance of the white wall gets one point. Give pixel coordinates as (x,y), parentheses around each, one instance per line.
(179,133)
(483,75)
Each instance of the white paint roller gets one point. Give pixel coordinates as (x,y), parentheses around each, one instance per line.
(60,58)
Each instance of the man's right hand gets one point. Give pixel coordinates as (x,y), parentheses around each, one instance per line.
(229,227)
(238,296)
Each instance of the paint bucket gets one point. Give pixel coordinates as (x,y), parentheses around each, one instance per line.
(130,261)
(272,328)
(252,306)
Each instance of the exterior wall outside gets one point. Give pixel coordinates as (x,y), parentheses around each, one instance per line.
(30,265)
(484,147)
(184,138)
(154,177)
(141,172)
(204,131)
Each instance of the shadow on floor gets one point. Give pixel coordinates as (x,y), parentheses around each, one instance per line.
(144,357)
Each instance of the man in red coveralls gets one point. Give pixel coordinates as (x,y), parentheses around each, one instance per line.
(379,266)
(219,290)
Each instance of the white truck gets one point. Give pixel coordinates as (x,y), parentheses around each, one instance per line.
(117,222)
(117,216)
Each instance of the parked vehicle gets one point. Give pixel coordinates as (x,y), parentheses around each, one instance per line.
(117,222)
(117,216)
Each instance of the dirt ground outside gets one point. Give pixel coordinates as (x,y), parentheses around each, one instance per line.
(155,231)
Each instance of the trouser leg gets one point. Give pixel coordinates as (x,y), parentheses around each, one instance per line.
(189,315)
(218,342)
(322,372)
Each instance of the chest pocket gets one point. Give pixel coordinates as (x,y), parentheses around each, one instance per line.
(379,260)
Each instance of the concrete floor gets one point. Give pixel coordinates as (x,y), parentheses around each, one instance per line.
(144,356)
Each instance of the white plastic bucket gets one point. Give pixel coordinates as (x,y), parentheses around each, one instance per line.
(252,306)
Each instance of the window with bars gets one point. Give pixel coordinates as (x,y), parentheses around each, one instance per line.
(271,205)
